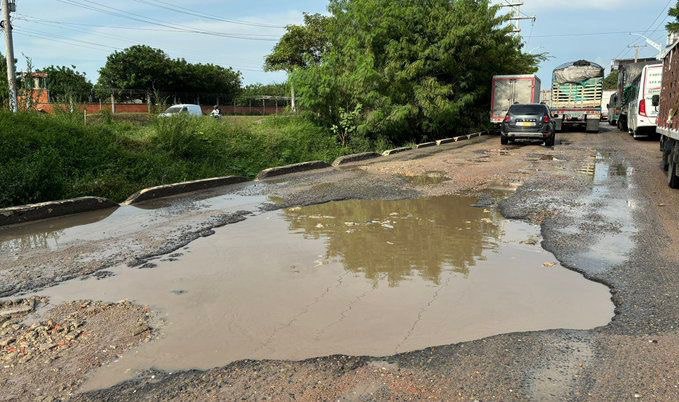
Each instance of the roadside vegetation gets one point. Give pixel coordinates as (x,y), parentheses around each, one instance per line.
(369,75)
(57,157)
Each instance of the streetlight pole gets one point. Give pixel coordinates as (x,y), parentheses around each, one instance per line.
(9,43)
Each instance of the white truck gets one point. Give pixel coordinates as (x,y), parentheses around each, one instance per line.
(668,118)
(510,89)
(642,113)
(605,105)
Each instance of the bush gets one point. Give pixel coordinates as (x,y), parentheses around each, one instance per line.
(56,157)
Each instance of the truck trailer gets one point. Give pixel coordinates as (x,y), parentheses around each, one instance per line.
(510,89)
(577,90)
(668,117)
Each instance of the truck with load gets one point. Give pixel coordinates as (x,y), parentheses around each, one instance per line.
(577,90)
(628,71)
(668,117)
(510,89)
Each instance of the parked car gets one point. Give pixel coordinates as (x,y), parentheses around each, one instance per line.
(528,122)
(191,110)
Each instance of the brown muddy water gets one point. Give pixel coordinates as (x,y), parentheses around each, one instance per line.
(353,277)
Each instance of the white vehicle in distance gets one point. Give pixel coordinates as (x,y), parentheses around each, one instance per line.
(188,109)
(643,103)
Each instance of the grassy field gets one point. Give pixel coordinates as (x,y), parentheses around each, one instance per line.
(56,157)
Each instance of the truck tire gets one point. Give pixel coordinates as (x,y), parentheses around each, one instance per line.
(672,171)
(549,142)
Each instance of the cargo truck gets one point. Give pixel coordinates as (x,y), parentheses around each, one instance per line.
(577,90)
(510,89)
(668,117)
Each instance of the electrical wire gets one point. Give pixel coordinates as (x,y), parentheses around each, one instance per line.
(102,8)
(184,10)
(664,9)
(49,38)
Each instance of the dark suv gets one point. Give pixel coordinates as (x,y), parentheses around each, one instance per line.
(528,122)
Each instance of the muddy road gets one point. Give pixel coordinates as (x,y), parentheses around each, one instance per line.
(467,271)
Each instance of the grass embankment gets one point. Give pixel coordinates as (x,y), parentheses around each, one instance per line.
(46,158)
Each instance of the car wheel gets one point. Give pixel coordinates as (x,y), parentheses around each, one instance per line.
(665,161)
(504,140)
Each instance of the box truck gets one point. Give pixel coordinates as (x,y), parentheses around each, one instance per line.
(510,89)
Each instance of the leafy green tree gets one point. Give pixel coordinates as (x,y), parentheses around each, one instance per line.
(300,47)
(419,68)
(67,84)
(673,26)
(150,70)
(137,67)
(611,81)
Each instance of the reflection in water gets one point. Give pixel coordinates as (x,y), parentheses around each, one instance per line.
(45,234)
(399,237)
(256,289)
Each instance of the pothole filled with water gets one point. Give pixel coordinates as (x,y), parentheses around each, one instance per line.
(353,277)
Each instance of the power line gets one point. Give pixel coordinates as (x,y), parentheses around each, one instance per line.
(569,35)
(170,30)
(65,41)
(626,48)
(102,8)
(184,10)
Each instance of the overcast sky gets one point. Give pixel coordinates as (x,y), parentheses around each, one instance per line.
(71,32)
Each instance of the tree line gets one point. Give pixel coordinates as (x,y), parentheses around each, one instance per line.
(144,73)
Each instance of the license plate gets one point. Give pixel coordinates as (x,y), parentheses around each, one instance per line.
(525,124)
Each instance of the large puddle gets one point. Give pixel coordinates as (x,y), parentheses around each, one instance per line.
(353,277)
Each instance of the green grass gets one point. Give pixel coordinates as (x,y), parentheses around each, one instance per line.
(46,158)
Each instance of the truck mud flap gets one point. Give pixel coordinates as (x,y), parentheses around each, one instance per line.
(592,126)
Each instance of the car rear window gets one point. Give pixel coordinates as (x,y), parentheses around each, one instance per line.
(527,110)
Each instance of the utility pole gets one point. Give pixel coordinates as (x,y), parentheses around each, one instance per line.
(9,6)
(637,48)
(516,17)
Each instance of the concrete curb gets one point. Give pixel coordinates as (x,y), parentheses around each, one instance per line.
(396,151)
(445,141)
(288,169)
(342,160)
(44,210)
(168,190)
(425,145)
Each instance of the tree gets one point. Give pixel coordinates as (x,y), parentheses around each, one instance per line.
(300,47)
(67,84)
(419,69)
(673,26)
(611,81)
(138,67)
(150,70)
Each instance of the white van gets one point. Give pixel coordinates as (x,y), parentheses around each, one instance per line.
(191,110)
(643,111)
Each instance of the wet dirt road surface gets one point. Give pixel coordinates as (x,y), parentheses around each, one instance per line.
(470,271)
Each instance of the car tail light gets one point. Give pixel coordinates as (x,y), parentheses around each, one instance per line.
(546,119)
(508,118)
(642,107)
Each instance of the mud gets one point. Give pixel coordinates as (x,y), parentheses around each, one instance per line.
(323,280)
